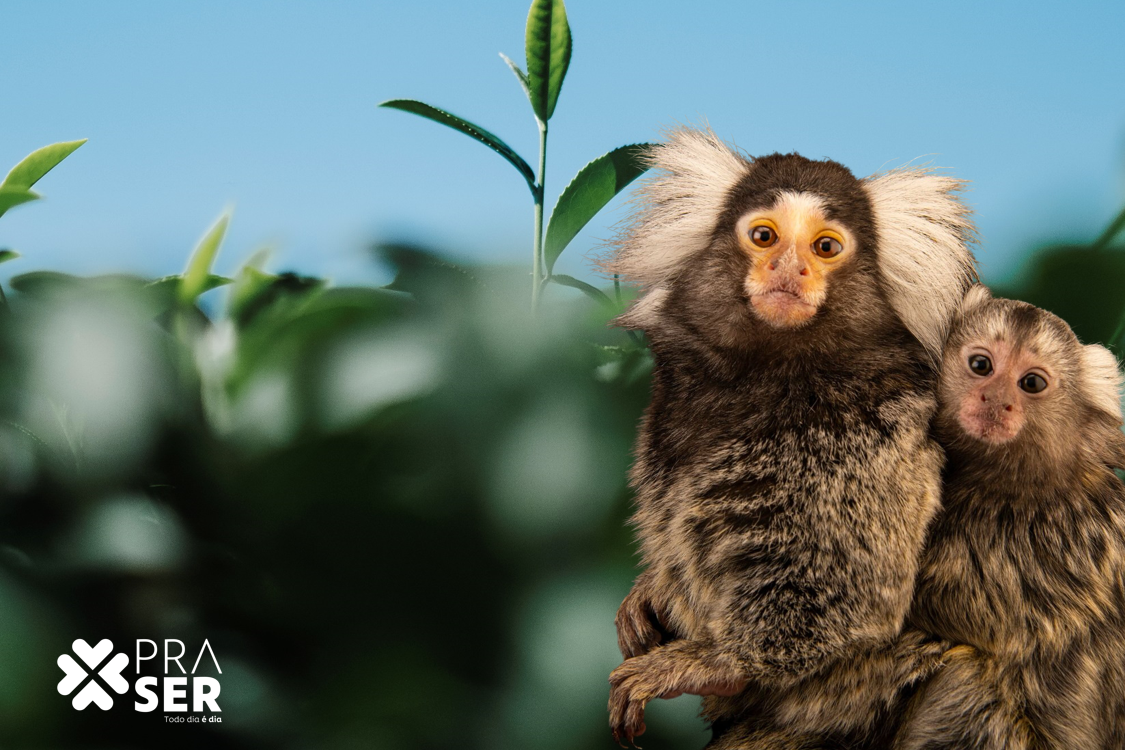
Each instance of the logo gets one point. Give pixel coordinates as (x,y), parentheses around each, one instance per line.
(92,691)
(174,687)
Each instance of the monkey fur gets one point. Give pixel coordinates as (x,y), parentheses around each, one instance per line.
(784,473)
(1025,566)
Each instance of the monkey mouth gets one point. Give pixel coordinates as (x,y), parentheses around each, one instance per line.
(782,306)
(988,427)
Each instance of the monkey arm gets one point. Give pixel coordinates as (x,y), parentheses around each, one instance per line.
(863,693)
(642,621)
(966,704)
(682,666)
(853,703)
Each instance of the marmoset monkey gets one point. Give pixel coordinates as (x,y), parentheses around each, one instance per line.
(784,471)
(1026,563)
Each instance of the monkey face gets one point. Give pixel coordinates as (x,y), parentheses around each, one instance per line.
(1017,375)
(999,383)
(793,248)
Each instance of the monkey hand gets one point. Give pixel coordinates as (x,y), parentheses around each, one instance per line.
(668,671)
(641,623)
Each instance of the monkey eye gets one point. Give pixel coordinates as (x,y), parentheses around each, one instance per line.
(763,235)
(827,247)
(981,365)
(1033,382)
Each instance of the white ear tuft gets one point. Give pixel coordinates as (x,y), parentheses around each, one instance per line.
(924,256)
(977,295)
(645,310)
(678,207)
(1102,379)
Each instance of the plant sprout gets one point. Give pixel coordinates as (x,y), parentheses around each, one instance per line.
(548,50)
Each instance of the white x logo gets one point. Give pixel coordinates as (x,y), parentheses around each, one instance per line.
(76,675)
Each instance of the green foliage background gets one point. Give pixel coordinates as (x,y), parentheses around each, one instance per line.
(397,514)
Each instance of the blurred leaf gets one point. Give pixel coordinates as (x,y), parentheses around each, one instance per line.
(290,334)
(38,441)
(37,282)
(1079,284)
(520,75)
(427,277)
(469,129)
(38,163)
(255,290)
(166,290)
(1111,231)
(7,255)
(592,188)
(589,290)
(248,286)
(198,273)
(548,44)
(10,197)
(258,258)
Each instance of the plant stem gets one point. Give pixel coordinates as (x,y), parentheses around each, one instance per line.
(1110,232)
(538,269)
(1117,333)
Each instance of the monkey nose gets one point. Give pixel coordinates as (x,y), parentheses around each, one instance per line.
(789,261)
(999,402)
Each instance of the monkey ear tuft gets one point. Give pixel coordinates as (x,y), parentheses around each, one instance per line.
(1102,379)
(644,313)
(977,295)
(924,257)
(677,207)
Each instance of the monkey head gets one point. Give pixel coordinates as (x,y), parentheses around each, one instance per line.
(801,222)
(737,251)
(1016,379)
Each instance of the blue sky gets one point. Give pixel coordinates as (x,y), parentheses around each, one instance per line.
(270,107)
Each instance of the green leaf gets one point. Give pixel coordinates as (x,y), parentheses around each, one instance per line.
(29,435)
(259,258)
(198,273)
(166,289)
(251,283)
(520,75)
(589,290)
(473,131)
(42,281)
(548,44)
(1111,231)
(7,255)
(38,163)
(426,276)
(10,197)
(593,187)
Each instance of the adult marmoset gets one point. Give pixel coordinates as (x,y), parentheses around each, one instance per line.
(1026,563)
(784,471)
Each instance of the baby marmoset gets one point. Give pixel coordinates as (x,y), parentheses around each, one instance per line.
(1026,563)
(785,474)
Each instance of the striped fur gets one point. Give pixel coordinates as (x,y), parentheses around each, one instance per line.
(784,477)
(1025,567)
